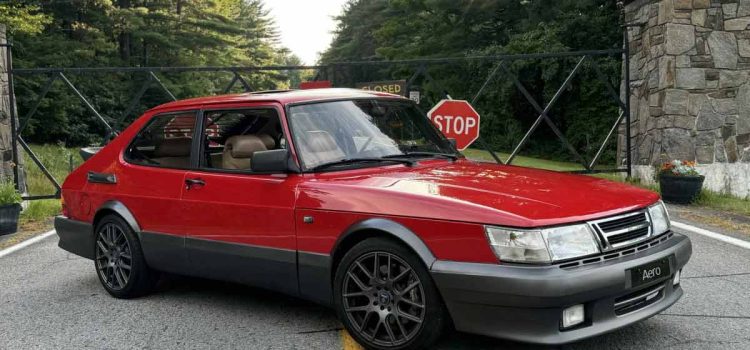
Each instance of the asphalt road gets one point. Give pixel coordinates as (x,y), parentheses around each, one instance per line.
(50,299)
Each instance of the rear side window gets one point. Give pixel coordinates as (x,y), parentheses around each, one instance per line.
(165,142)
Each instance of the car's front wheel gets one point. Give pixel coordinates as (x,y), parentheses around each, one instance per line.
(119,260)
(386,298)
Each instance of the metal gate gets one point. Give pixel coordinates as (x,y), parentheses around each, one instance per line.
(412,71)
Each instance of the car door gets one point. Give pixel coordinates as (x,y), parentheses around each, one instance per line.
(150,184)
(240,224)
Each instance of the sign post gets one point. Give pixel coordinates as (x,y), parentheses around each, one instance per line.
(456,119)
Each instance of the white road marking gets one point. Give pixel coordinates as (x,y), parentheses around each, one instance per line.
(711,234)
(26,243)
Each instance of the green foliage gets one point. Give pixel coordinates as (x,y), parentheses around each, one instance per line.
(99,33)
(59,160)
(22,18)
(404,29)
(8,193)
(723,202)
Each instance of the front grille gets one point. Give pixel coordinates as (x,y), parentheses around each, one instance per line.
(624,237)
(623,230)
(623,222)
(638,300)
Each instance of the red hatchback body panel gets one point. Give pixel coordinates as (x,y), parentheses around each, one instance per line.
(288,230)
(445,203)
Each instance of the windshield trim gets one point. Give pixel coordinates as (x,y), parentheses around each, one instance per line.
(293,135)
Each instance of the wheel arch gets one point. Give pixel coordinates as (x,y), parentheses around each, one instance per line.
(118,208)
(378,227)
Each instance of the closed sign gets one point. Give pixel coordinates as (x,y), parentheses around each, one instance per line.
(396,87)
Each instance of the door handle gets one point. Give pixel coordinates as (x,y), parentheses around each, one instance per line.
(189,183)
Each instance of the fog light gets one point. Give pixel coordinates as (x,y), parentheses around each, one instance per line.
(676,279)
(572,316)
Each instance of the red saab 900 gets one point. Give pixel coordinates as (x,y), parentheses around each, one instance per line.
(355,200)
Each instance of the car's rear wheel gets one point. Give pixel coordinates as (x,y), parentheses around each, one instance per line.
(119,261)
(386,298)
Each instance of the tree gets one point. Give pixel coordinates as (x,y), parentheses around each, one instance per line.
(99,33)
(22,18)
(405,29)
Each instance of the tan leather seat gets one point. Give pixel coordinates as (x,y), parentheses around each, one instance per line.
(173,152)
(239,149)
(268,141)
(319,148)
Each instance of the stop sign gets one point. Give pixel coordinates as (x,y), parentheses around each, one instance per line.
(456,119)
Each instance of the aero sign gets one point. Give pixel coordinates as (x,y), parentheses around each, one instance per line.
(456,120)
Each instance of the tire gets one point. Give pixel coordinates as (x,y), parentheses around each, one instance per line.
(119,261)
(398,307)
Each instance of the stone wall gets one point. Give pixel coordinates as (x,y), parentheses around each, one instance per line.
(690,92)
(6,151)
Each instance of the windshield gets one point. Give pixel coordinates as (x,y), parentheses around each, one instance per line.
(329,132)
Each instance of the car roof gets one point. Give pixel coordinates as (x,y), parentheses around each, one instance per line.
(281,96)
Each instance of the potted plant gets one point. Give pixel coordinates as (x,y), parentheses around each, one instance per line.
(10,206)
(679,181)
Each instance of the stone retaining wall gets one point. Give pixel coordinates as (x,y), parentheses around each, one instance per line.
(690,88)
(6,150)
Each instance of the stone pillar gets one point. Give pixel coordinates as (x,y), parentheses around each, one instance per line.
(690,94)
(6,149)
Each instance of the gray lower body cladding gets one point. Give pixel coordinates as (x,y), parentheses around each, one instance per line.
(76,237)
(525,303)
(522,303)
(269,268)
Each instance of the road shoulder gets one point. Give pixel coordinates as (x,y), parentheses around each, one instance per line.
(25,232)
(725,223)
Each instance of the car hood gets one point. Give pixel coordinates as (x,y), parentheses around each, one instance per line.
(472,192)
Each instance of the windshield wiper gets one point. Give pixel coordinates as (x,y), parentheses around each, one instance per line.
(348,161)
(423,154)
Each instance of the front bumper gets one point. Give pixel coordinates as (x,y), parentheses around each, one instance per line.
(525,303)
(76,237)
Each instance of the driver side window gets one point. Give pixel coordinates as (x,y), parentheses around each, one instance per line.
(231,137)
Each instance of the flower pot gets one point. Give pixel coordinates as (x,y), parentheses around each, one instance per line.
(680,189)
(9,218)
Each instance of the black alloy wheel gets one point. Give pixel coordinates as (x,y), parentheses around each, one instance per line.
(114,258)
(119,260)
(386,298)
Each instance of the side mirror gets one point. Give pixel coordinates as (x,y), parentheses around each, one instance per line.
(273,161)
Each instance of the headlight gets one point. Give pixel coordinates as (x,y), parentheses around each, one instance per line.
(520,246)
(542,246)
(568,242)
(659,218)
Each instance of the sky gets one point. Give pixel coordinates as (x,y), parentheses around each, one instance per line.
(305,26)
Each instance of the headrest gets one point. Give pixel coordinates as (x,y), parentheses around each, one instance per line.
(243,146)
(268,141)
(320,141)
(174,147)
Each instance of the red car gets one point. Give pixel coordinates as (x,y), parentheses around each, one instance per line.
(353,199)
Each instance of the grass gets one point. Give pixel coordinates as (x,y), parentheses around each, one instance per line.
(723,202)
(530,162)
(57,159)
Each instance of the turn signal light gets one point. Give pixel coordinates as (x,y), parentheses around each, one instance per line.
(64,207)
